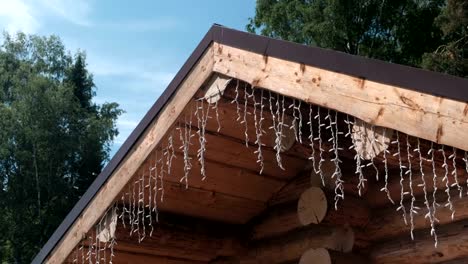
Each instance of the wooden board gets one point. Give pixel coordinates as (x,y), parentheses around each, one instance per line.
(235,153)
(223,178)
(423,115)
(452,245)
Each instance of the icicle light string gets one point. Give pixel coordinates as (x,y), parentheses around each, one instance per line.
(429,215)
(216,109)
(276,126)
(236,101)
(333,126)
(279,135)
(150,200)
(162,172)
(185,133)
(385,152)
(294,123)
(431,152)
(402,167)
(413,209)
(138,212)
(311,139)
(202,118)
(320,141)
(155,185)
(455,173)
(258,121)
(134,199)
(245,113)
(374,142)
(449,203)
(465,159)
(143,210)
(300,121)
(357,157)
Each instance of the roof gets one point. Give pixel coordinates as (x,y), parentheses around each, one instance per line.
(368,69)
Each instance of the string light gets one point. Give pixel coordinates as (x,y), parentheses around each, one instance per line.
(413,209)
(455,173)
(321,150)
(449,203)
(385,152)
(402,167)
(429,215)
(258,129)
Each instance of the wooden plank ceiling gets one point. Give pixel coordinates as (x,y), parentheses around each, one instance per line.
(263,207)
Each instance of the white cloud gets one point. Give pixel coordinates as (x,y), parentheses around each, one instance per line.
(143,25)
(26,15)
(74,11)
(16,15)
(136,71)
(125,123)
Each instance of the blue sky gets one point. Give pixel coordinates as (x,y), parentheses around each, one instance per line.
(134,48)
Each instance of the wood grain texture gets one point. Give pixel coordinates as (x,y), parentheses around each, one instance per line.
(423,115)
(452,245)
(281,219)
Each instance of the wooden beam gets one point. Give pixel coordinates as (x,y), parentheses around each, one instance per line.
(325,256)
(223,178)
(378,199)
(175,197)
(233,151)
(445,120)
(175,236)
(123,257)
(184,244)
(387,222)
(151,137)
(291,246)
(452,245)
(294,188)
(282,219)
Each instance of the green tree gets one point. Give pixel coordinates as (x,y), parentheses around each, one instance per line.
(452,56)
(399,31)
(54,139)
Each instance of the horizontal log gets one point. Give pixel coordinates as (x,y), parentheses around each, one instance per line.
(325,256)
(123,257)
(171,242)
(290,247)
(225,179)
(281,219)
(175,236)
(379,104)
(178,199)
(452,245)
(292,190)
(234,153)
(227,118)
(387,222)
(377,198)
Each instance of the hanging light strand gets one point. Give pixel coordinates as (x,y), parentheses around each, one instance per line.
(258,128)
(445,179)
(385,152)
(402,207)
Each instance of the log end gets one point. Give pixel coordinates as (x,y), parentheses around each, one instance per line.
(312,206)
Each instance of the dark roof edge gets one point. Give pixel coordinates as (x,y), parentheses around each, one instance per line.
(402,76)
(125,148)
(393,74)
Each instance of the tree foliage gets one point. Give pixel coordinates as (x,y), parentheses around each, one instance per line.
(421,33)
(54,139)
